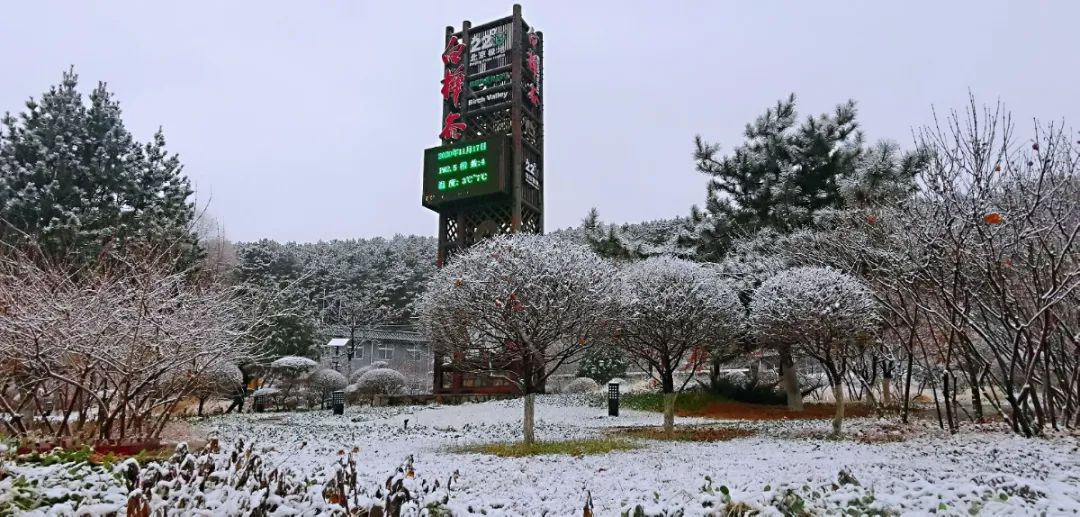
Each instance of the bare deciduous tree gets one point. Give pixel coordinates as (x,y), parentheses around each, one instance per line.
(113,347)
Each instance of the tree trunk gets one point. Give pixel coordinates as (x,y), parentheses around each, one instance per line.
(976,400)
(528,429)
(886,391)
(26,414)
(202,401)
(714,375)
(669,414)
(791,382)
(907,386)
(948,406)
(838,419)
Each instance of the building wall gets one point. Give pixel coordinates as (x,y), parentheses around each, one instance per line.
(410,358)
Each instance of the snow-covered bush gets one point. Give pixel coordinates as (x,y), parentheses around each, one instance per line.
(326,380)
(291,373)
(381,381)
(219,379)
(581,385)
(121,343)
(361,371)
(292,366)
(741,387)
(267,393)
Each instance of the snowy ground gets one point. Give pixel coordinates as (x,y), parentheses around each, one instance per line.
(783,466)
(995,473)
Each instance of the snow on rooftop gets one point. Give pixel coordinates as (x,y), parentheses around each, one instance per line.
(338,341)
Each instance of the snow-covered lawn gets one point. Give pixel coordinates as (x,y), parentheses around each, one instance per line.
(781,467)
(993,472)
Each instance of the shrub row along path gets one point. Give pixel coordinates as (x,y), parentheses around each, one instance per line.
(901,469)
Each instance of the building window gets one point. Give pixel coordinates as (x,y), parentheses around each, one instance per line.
(415,354)
(384,352)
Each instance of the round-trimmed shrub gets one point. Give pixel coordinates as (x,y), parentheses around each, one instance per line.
(373,366)
(327,380)
(581,385)
(293,366)
(381,381)
(266,392)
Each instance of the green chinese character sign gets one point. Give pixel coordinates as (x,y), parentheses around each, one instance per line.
(464,170)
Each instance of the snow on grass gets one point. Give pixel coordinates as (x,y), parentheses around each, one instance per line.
(995,473)
(774,466)
(61,489)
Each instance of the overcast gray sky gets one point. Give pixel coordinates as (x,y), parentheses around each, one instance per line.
(307,120)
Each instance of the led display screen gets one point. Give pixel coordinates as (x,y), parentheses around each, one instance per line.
(465,170)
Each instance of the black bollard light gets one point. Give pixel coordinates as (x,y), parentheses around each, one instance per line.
(613,399)
(337,402)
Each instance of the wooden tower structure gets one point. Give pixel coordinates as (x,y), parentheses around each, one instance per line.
(487,176)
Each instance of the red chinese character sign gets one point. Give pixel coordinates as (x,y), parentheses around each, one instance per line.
(452,128)
(452,54)
(453,81)
(532,64)
(534,95)
(452,84)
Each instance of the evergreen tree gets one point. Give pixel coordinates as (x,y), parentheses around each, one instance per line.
(272,274)
(632,241)
(74,181)
(884,176)
(333,289)
(602,363)
(778,178)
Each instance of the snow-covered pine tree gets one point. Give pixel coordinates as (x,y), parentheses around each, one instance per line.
(778,178)
(75,181)
(883,176)
(602,363)
(634,241)
(271,273)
